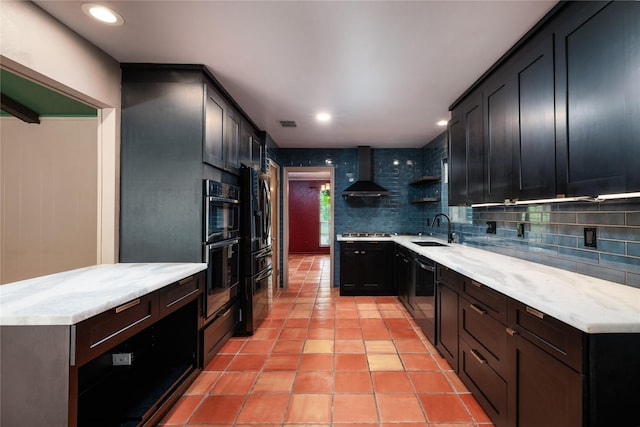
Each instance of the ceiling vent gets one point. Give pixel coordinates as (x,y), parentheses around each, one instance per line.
(288,124)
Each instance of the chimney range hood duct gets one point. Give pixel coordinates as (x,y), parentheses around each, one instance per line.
(364,187)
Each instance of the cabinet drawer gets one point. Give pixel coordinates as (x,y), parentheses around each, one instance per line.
(216,333)
(484,333)
(98,334)
(555,337)
(453,279)
(489,389)
(494,303)
(174,296)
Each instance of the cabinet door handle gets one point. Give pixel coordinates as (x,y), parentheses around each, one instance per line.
(477,309)
(478,356)
(363,252)
(534,312)
(185,280)
(512,331)
(476,284)
(356,252)
(127,306)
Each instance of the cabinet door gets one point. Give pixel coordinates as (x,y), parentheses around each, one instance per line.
(349,268)
(232,142)
(499,105)
(598,98)
(447,324)
(543,390)
(472,123)
(257,153)
(466,152)
(404,281)
(457,160)
(245,144)
(214,111)
(374,271)
(534,145)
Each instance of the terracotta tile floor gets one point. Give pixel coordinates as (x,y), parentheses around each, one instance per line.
(323,360)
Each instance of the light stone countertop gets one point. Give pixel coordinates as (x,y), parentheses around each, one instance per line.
(589,304)
(72,296)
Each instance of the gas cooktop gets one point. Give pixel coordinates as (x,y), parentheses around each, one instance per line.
(365,234)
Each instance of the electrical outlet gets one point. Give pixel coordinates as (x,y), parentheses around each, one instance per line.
(590,240)
(491,227)
(520,229)
(122,359)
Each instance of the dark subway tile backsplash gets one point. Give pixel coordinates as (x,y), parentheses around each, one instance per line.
(554,235)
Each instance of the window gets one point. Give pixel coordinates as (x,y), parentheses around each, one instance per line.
(325,214)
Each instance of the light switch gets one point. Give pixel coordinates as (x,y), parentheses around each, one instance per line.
(590,237)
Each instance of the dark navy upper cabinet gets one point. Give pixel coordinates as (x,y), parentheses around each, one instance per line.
(466,168)
(213,148)
(598,98)
(559,115)
(499,108)
(534,142)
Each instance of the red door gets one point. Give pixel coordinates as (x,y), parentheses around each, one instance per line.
(304,217)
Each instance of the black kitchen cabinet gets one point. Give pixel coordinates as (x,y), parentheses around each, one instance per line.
(447,283)
(215,112)
(466,148)
(534,141)
(457,160)
(544,391)
(526,368)
(558,114)
(598,98)
(404,268)
(366,268)
(232,141)
(498,103)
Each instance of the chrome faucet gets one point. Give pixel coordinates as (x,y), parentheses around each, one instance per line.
(449,233)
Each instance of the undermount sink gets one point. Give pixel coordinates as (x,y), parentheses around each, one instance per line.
(429,243)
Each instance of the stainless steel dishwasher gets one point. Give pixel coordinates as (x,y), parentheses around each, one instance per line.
(425,296)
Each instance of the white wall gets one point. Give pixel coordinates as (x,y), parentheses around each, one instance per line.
(36,46)
(48,205)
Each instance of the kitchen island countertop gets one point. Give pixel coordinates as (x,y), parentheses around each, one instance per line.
(70,297)
(587,303)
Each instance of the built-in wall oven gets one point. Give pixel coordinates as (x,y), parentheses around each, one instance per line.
(223,274)
(221,245)
(221,211)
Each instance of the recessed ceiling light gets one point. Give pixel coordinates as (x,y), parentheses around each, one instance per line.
(442,123)
(102,14)
(323,117)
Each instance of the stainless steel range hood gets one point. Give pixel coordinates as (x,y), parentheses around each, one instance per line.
(364,186)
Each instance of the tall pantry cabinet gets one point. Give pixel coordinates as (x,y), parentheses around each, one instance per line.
(178,128)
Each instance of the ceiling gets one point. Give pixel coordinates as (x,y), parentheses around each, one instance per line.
(386,71)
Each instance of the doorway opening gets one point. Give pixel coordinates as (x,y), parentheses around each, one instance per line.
(308,211)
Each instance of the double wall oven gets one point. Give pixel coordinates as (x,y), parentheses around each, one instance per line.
(221,245)
(255,291)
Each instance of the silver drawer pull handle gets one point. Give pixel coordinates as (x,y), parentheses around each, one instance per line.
(512,331)
(477,309)
(476,284)
(363,252)
(127,305)
(185,280)
(534,312)
(478,357)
